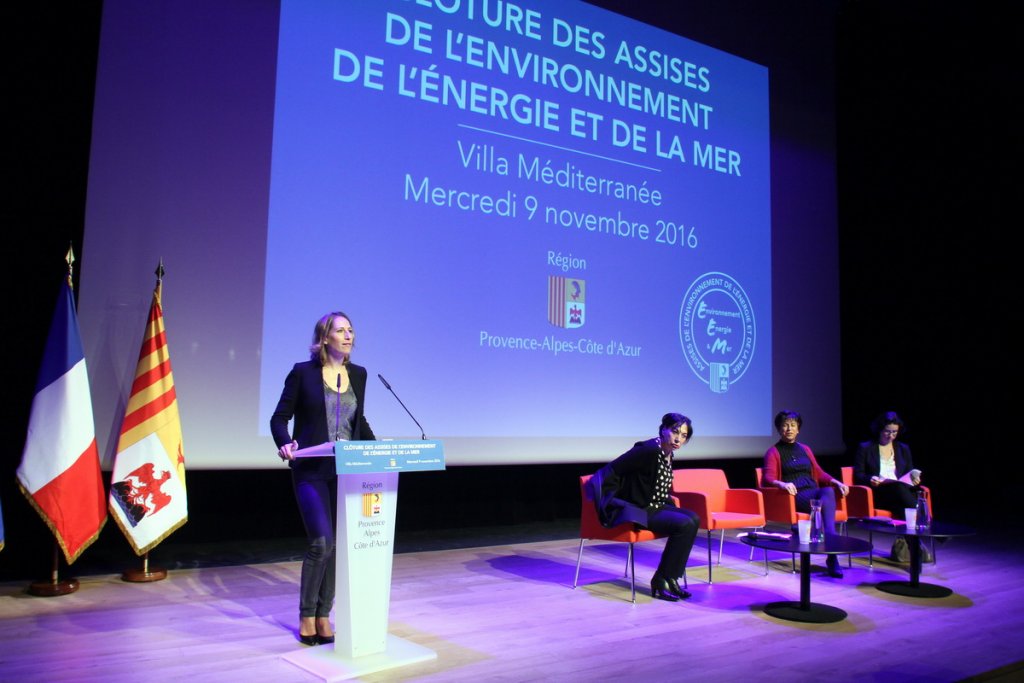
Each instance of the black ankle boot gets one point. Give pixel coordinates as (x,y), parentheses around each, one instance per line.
(676,590)
(832,567)
(660,589)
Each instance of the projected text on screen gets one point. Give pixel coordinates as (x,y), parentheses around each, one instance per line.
(544,220)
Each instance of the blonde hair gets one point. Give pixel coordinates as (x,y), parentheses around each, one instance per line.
(323,327)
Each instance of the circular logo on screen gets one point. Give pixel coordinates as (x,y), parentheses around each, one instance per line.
(717,330)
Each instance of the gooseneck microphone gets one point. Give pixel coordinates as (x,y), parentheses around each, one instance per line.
(337,416)
(388,387)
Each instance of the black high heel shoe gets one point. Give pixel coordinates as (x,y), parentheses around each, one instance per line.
(326,625)
(676,590)
(832,567)
(311,640)
(661,590)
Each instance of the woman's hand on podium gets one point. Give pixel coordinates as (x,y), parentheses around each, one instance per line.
(286,451)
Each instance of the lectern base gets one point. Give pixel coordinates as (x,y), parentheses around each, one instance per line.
(324,662)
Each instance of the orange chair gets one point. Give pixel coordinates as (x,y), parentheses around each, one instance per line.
(591,529)
(707,493)
(862,504)
(780,507)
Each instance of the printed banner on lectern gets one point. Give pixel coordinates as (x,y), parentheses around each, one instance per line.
(360,457)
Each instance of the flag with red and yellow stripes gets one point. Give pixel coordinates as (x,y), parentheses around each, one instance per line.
(147,487)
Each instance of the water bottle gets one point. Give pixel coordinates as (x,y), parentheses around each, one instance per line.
(817,528)
(923,518)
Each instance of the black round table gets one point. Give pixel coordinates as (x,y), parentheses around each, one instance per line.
(803,609)
(914,588)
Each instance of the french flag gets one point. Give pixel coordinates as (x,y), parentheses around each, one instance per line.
(60,467)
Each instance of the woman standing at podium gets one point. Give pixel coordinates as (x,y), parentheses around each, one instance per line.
(325,396)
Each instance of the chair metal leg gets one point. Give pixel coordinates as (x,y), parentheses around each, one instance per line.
(750,558)
(709,556)
(632,573)
(629,571)
(721,551)
(579,558)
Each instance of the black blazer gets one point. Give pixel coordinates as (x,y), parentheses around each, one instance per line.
(303,399)
(622,489)
(867,461)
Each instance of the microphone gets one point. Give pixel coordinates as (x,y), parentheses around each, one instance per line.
(337,416)
(388,387)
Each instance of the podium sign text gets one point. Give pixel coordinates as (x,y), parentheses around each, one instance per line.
(359,457)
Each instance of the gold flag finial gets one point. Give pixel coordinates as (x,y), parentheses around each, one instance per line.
(70,260)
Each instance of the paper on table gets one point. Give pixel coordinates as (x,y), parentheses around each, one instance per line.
(888,521)
(766,534)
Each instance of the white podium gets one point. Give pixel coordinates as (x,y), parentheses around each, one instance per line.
(367,503)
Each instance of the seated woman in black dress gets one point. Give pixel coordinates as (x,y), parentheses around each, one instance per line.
(635,488)
(885,465)
(791,466)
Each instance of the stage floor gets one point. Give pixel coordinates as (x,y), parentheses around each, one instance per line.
(509,613)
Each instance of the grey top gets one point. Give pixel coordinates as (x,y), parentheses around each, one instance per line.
(341,410)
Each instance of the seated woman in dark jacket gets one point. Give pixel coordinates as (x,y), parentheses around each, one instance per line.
(635,488)
(886,466)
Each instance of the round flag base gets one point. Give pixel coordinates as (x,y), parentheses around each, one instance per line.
(144,575)
(49,589)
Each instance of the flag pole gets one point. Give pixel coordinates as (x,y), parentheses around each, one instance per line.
(47,463)
(147,574)
(55,587)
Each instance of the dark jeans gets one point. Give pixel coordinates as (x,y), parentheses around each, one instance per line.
(681,528)
(318,502)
